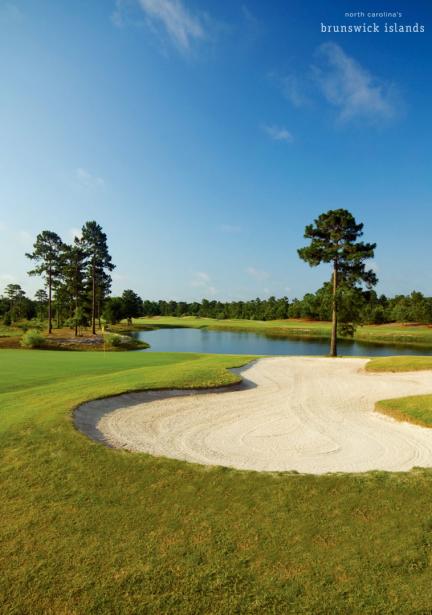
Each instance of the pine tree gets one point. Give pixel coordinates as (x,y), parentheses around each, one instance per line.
(74,280)
(46,253)
(41,298)
(334,239)
(132,305)
(15,295)
(99,264)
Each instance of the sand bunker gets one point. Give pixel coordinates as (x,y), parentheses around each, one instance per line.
(313,415)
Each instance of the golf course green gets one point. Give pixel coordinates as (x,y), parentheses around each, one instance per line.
(87,529)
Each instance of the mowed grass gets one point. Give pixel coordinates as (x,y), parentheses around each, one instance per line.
(86,529)
(398,334)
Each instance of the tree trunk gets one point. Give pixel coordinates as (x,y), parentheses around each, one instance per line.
(49,303)
(94,299)
(333,343)
(76,315)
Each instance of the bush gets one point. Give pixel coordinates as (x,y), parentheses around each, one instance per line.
(38,325)
(113,340)
(32,339)
(7,320)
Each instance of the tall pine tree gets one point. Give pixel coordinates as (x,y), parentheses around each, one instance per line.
(74,280)
(335,239)
(46,254)
(99,264)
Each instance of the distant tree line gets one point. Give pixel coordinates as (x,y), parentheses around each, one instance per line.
(360,306)
(255,309)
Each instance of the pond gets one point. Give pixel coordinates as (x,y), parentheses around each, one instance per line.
(239,342)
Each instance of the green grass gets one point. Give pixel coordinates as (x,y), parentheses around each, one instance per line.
(86,529)
(399,364)
(415,409)
(397,334)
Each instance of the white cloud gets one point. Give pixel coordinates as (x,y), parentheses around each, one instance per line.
(279,133)
(351,88)
(85,178)
(117,16)
(293,88)
(202,280)
(181,26)
(165,18)
(257,274)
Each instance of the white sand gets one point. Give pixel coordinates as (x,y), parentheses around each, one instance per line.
(305,414)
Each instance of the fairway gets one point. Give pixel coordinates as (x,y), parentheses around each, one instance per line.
(304,414)
(91,530)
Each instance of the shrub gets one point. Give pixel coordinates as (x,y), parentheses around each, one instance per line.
(7,320)
(32,339)
(37,325)
(113,340)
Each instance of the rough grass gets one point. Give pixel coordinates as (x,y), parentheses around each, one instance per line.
(91,530)
(396,334)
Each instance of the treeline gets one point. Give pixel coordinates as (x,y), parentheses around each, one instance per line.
(360,307)
(255,309)
(355,305)
(363,307)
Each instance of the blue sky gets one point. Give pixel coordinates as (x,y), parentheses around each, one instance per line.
(204,136)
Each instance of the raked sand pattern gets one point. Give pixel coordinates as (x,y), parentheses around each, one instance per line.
(312,415)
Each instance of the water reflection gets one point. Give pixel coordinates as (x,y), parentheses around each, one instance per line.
(239,342)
